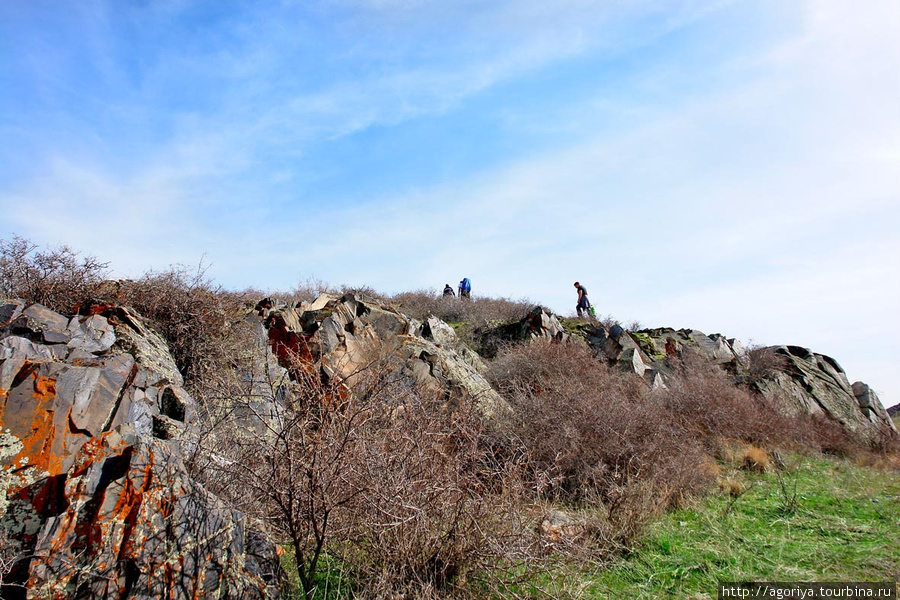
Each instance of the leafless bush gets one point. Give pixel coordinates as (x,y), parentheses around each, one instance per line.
(765,363)
(194,315)
(388,484)
(478,310)
(829,437)
(59,278)
(707,400)
(589,434)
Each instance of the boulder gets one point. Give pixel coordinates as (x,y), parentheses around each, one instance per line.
(435,330)
(100,504)
(871,405)
(667,343)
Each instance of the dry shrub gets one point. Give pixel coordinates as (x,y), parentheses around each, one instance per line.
(583,433)
(195,317)
(426,520)
(59,278)
(731,486)
(829,437)
(765,363)
(397,491)
(756,459)
(478,310)
(705,398)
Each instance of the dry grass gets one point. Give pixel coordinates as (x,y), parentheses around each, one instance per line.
(731,486)
(756,459)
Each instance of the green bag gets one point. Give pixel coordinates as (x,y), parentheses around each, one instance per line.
(593,312)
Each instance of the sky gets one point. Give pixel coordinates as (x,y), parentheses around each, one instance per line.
(731,166)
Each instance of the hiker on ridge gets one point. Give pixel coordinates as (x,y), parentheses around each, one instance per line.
(465,288)
(448,291)
(584,305)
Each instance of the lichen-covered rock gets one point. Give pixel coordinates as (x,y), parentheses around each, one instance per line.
(347,334)
(127,522)
(665,342)
(97,498)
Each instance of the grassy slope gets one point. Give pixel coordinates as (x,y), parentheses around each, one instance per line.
(845,526)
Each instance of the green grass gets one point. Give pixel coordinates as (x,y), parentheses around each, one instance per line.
(819,519)
(843,526)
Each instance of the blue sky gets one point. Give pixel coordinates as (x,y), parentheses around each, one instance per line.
(727,165)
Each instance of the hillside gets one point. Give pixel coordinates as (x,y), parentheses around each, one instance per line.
(165,438)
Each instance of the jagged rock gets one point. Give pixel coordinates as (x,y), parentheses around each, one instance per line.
(655,379)
(542,324)
(538,324)
(871,405)
(127,522)
(617,347)
(807,383)
(631,360)
(38,319)
(93,334)
(816,384)
(100,504)
(348,333)
(662,343)
(435,330)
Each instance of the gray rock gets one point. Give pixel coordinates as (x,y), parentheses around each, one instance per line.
(348,333)
(435,330)
(39,319)
(630,360)
(9,311)
(816,384)
(99,497)
(871,405)
(93,334)
(20,347)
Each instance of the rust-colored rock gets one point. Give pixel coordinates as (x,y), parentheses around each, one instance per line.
(98,500)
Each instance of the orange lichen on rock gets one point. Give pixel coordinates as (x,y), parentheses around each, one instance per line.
(44,388)
(37,446)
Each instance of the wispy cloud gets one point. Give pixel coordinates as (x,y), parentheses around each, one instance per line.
(723,165)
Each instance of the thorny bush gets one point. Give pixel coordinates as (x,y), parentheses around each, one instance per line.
(59,278)
(379,479)
(584,433)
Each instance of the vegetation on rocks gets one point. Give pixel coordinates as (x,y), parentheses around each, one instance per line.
(352,432)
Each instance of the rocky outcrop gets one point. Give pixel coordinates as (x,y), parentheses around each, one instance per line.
(99,501)
(800,381)
(816,384)
(538,324)
(348,334)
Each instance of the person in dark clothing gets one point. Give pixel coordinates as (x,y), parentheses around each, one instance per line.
(584,305)
(448,291)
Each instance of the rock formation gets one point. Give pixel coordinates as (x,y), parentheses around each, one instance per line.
(348,334)
(98,501)
(816,384)
(801,381)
